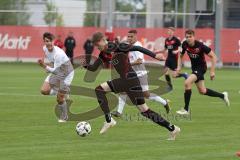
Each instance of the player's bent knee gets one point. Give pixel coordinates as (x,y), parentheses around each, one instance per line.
(187,85)
(202,91)
(60,100)
(143,107)
(146,94)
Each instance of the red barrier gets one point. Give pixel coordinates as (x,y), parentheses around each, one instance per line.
(26,42)
(230,45)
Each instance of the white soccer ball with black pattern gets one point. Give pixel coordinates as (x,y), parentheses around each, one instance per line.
(83,129)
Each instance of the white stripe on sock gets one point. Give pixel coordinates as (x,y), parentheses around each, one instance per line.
(157,98)
(121,102)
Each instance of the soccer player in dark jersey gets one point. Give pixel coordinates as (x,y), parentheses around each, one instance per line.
(196,51)
(128,82)
(137,61)
(171,47)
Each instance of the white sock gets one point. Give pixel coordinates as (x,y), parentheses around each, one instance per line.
(121,102)
(157,98)
(53,92)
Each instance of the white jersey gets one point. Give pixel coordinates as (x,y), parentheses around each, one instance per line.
(133,56)
(62,66)
(58,57)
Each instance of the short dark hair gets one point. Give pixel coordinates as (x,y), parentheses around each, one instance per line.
(132,31)
(96,37)
(48,35)
(190,31)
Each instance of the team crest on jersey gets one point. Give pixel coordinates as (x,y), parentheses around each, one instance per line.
(193,50)
(197,50)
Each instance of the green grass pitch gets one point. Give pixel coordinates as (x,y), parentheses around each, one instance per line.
(29,128)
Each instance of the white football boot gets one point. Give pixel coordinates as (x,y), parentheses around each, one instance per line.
(183,112)
(173,134)
(106,126)
(226,100)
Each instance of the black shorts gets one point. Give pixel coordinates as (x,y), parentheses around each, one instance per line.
(130,86)
(199,72)
(171,63)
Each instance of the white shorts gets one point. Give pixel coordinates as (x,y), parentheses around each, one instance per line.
(144,82)
(58,83)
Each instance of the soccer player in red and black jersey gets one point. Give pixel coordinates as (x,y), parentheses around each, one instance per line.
(196,51)
(171,47)
(128,82)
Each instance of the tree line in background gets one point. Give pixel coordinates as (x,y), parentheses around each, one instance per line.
(121,6)
(53,18)
(13,18)
(22,18)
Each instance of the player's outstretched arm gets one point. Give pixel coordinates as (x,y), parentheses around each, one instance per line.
(147,52)
(93,67)
(161,51)
(213,61)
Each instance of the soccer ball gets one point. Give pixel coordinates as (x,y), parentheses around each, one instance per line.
(83,129)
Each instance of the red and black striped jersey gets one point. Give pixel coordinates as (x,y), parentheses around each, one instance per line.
(196,53)
(172,45)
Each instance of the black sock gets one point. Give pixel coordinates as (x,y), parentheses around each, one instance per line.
(157,118)
(102,100)
(187,97)
(168,79)
(108,117)
(213,93)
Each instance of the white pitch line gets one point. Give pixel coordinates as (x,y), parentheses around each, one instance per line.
(37,95)
(20,94)
(223,102)
(15,87)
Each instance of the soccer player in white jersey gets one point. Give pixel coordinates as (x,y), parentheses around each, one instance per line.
(136,59)
(61,74)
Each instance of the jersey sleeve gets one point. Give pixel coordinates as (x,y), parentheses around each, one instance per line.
(206,49)
(57,64)
(143,50)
